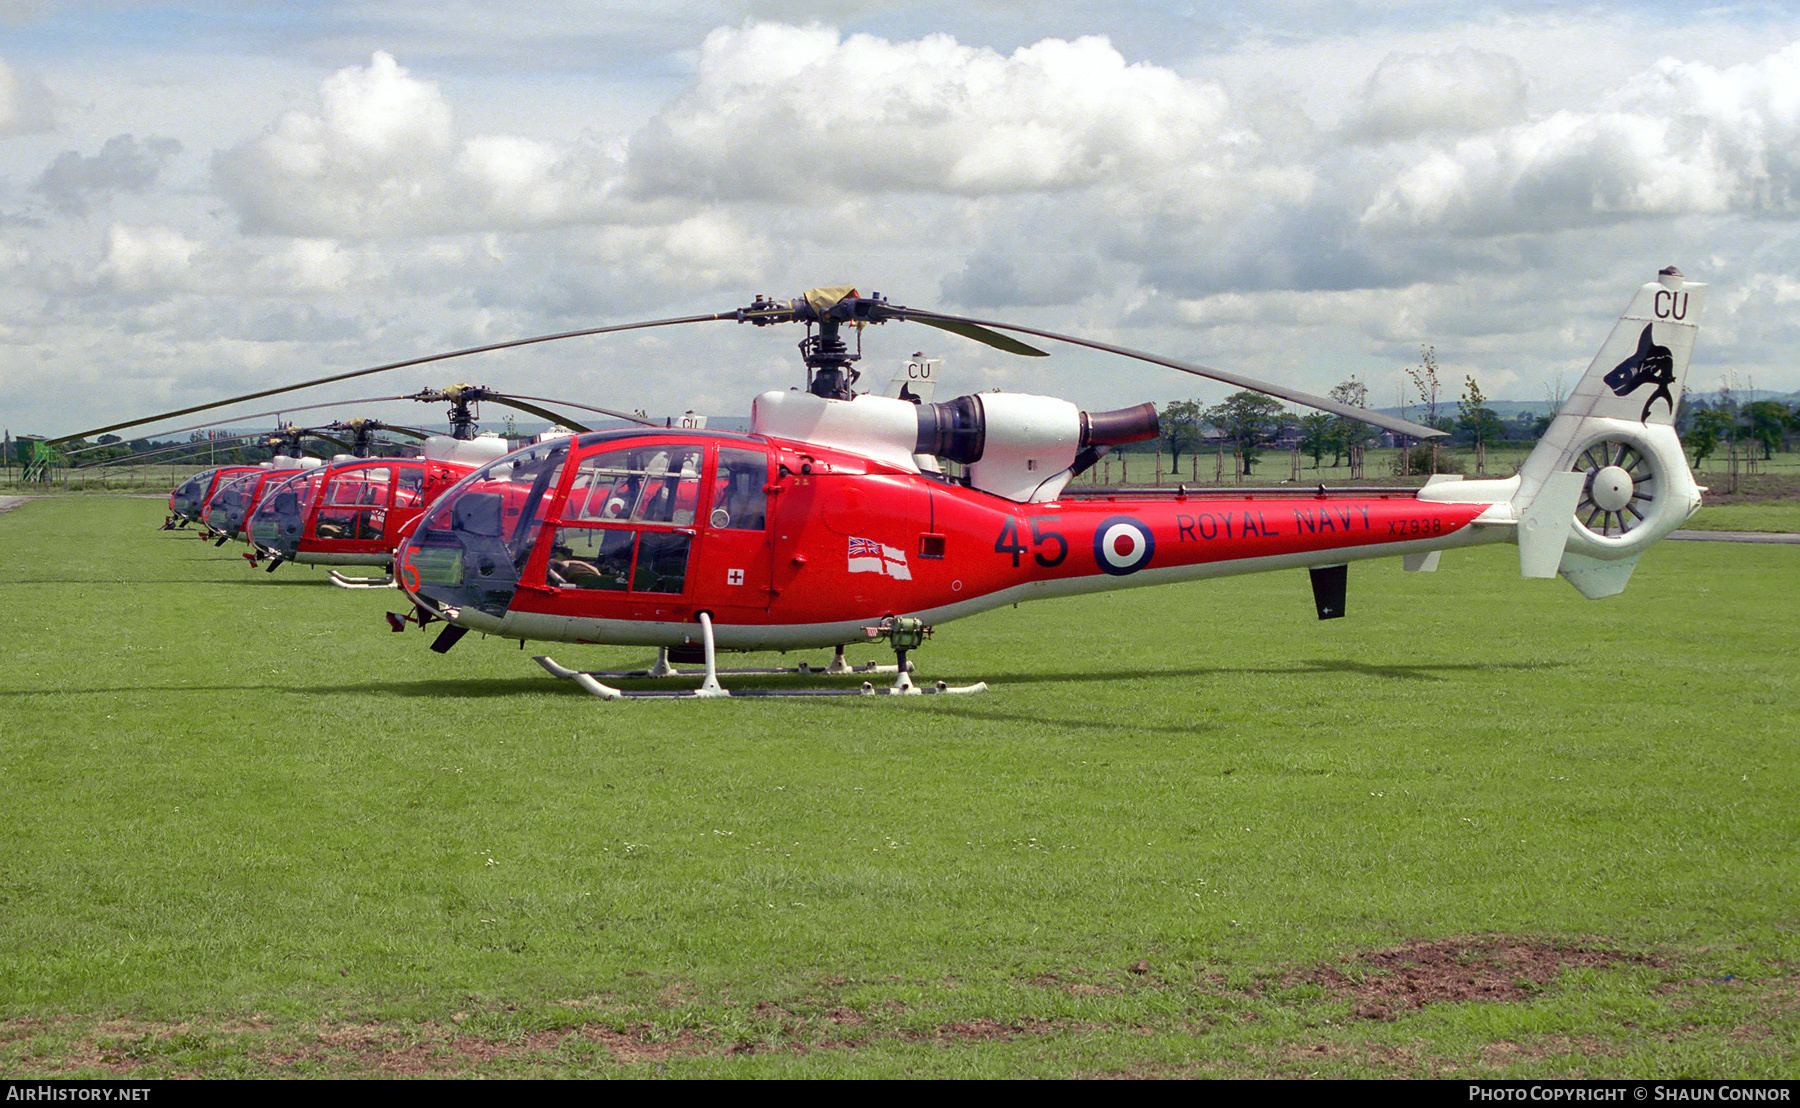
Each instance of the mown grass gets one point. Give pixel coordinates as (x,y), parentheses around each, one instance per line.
(1780,516)
(252,833)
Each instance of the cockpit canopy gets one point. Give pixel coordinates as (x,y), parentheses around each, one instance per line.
(346,507)
(615,512)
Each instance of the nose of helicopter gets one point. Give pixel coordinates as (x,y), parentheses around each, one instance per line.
(467,550)
(277,523)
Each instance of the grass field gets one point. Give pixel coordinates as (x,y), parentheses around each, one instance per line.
(1482,827)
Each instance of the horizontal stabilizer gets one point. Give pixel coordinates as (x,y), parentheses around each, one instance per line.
(1544,525)
(1426,562)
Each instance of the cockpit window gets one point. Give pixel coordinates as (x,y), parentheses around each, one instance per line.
(653,484)
(194,486)
(626,524)
(739,503)
(229,504)
(355,504)
(281,516)
(409,490)
(592,558)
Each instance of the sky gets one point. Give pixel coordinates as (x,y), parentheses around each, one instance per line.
(210,199)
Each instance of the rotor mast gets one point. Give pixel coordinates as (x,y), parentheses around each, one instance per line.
(830,368)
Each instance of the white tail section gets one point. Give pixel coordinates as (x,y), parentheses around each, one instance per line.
(915,380)
(1610,463)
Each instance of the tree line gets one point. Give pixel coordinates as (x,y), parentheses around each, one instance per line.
(1249,423)
(1723,424)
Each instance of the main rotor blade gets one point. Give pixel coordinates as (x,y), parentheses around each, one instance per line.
(228,442)
(731,315)
(410,432)
(1306,399)
(239,419)
(231,441)
(969,330)
(589,408)
(542,413)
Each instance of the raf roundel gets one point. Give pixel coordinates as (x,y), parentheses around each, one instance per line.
(1122,545)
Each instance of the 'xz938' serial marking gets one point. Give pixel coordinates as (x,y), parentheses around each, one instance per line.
(1415,527)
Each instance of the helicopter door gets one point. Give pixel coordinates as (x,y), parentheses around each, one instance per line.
(408,500)
(733,569)
(627,525)
(355,505)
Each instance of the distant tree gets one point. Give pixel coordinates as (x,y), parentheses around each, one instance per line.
(1425,382)
(1318,433)
(1352,436)
(1183,430)
(1764,422)
(1425,385)
(1478,421)
(1248,420)
(1708,427)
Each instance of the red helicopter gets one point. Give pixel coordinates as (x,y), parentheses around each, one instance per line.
(190,501)
(821,526)
(356,510)
(187,502)
(830,523)
(353,509)
(227,513)
(229,509)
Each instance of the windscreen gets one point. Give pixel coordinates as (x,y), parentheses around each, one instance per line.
(472,545)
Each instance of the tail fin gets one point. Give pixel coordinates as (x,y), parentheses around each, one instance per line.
(1610,465)
(915,380)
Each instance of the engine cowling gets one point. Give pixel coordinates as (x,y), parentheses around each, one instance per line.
(1024,447)
(1016,445)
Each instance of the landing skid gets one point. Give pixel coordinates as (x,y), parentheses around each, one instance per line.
(343,582)
(664,668)
(710,687)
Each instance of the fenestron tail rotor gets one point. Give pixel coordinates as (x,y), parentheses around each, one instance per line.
(1621,487)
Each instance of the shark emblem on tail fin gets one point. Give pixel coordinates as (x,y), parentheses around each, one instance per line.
(1652,363)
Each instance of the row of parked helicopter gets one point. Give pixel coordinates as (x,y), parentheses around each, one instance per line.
(833,521)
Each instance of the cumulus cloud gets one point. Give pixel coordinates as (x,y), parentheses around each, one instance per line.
(313,265)
(1013,279)
(381,156)
(1463,92)
(25,104)
(776,114)
(145,259)
(783,112)
(123,165)
(1681,138)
